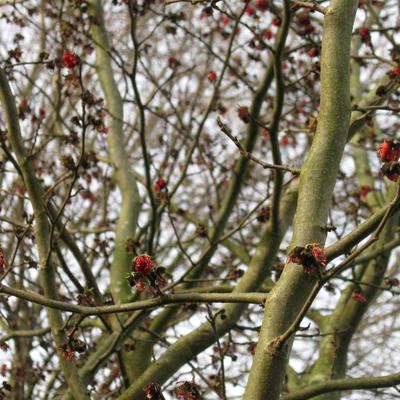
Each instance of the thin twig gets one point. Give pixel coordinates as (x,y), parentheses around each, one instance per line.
(211,319)
(228,132)
(312,5)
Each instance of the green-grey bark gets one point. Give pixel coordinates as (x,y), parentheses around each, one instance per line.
(130,202)
(317,180)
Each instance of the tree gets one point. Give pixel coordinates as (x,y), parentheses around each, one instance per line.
(199,199)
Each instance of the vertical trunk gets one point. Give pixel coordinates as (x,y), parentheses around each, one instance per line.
(317,181)
(130,200)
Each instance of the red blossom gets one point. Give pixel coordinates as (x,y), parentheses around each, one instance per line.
(188,391)
(249,10)
(225,20)
(222,109)
(389,151)
(364,190)
(2,261)
(160,184)
(265,134)
(280,266)
(312,257)
(393,177)
(153,392)
(212,76)
(365,35)
(285,140)
(359,297)
(23,107)
(70,60)
(276,21)
(261,5)
(294,259)
(68,353)
(140,286)
(363,31)
(268,34)
(391,170)
(16,54)
(395,71)
(304,18)
(319,254)
(244,114)
(172,62)
(142,264)
(312,53)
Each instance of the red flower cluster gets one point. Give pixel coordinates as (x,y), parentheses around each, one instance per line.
(160,184)
(2,261)
(142,264)
(389,153)
(153,392)
(363,31)
(222,109)
(262,5)
(244,114)
(364,190)
(187,391)
(359,297)
(225,20)
(313,52)
(365,35)
(212,76)
(304,18)
(70,60)
(391,170)
(319,254)
(276,21)
(311,257)
(268,34)
(67,352)
(146,276)
(249,10)
(172,62)
(394,72)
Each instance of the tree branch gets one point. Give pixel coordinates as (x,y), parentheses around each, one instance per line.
(345,384)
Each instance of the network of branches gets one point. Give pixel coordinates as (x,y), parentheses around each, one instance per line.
(199,199)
